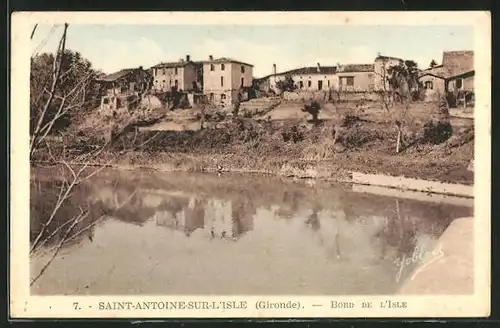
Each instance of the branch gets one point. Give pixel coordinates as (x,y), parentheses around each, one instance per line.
(77,220)
(33,32)
(55,82)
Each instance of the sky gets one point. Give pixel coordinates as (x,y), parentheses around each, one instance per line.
(114,47)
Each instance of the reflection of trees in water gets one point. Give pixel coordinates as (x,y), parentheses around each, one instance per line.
(44,196)
(405,224)
(313,220)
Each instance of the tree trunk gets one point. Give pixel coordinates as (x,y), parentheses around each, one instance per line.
(398,142)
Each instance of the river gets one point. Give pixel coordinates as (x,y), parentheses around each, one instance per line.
(146,232)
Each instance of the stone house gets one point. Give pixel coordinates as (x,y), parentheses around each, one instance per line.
(458,71)
(312,79)
(125,81)
(356,78)
(380,66)
(454,77)
(181,75)
(223,78)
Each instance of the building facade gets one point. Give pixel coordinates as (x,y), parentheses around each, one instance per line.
(356,78)
(432,79)
(306,78)
(125,81)
(453,78)
(223,79)
(182,76)
(380,67)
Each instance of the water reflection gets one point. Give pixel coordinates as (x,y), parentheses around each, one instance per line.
(288,237)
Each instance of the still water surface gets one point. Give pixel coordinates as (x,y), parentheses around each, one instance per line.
(184,233)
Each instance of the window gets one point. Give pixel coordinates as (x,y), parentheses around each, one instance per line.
(175,70)
(242,81)
(309,83)
(320,85)
(429,85)
(350,81)
(164,71)
(212,96)
(222,67)
(223,96)
(212,67)
(458,84)
(176,84)
(242,69)
(301,84)
(222,81)
(328,82)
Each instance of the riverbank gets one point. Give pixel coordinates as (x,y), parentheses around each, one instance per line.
(329,150)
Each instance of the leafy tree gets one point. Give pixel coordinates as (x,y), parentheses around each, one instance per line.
(312,108)
(286,84)
(75,88)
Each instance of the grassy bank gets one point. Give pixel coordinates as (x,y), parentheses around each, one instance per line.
(327,150)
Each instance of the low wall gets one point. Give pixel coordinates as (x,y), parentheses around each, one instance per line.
(413,184)
(325,95)
(414,195)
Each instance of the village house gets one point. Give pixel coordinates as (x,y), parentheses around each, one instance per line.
(454,77)
(356,78)
(129,80)
(181,75)
(223,79)
(433,79)
(380,67)
(123,88)
(305,78)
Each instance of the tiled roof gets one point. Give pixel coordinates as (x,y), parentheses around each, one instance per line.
(117,75)
(436,71)
(380,57)
(457,62)
(225,60)
(305,71)
(356,68)
(173,64)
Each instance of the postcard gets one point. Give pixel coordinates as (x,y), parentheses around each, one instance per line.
(250,164)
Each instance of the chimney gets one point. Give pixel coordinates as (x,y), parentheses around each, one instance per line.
(274,69)
(210,57)
(319,68)
(188,58)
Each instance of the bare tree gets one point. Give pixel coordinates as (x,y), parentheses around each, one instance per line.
(51,99)
(398,82)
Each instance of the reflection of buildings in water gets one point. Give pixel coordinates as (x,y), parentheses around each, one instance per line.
(242,216)
(289,205)
(181,213)
(229,218)
(194,215)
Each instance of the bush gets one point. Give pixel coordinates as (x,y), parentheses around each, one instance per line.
(436,132)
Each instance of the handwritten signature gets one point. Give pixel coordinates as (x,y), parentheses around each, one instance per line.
(420,256)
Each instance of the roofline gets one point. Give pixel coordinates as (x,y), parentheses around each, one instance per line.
(161,65)
(461,74)
(437,66)
(431,74)
(224,61)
